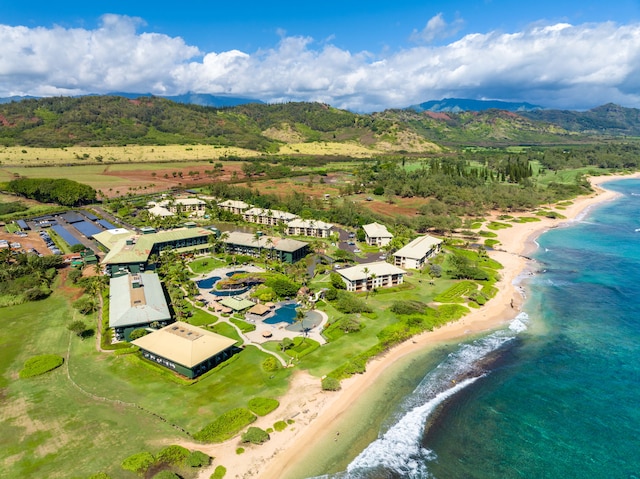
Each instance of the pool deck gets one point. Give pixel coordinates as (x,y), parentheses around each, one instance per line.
(279,332)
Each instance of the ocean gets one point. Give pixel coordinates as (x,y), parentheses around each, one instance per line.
(556,394)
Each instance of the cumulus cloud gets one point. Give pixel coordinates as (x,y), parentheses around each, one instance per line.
(560,65)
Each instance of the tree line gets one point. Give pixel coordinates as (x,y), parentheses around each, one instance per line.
(47,190)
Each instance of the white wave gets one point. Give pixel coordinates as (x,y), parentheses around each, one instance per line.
(637,230)
(399,448)
(635,194)
(520,323)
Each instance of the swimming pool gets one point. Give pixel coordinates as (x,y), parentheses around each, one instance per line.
(286,313)
(208,283)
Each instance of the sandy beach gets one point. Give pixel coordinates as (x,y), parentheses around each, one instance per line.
(316,412)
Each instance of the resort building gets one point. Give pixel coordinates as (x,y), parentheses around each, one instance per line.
(377,234)
(234,206)
(131,252)
(136,301)
(313,228)
(283,249)
(191,206)
(267,217)
(367,276)
(417,252)
(188,350)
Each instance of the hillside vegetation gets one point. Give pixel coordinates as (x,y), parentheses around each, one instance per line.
(116,121)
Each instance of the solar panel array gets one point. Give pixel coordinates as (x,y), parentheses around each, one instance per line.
(106,224)
(89,216)
(23,224)
(71,217)
(86,228)
(65,235)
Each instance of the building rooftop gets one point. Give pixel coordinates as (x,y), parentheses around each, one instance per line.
(418,248)
(234,204)
(136,299)
(376,230)
(300,223)
(379,268)
(266,242)
(184,344)
(110,237)
(236,304)
(279,214)
(140,249)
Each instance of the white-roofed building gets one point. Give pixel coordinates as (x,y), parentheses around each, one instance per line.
(377,234)
(136,301)
(186,349)
(192,206)
(367,276)
(236,207)
(268,217)
(314,228)
(417,252)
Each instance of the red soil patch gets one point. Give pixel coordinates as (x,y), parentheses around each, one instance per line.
(436,115)
(400,206)
(144,179)
(33,240)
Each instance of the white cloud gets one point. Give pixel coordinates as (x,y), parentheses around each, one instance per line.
(558,65)
(437,28)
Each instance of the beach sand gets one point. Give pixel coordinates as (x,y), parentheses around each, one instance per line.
(317,414)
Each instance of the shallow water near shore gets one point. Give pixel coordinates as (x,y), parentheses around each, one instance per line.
(555,394)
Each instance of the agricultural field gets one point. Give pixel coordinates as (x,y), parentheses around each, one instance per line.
(119,179)
(28,156)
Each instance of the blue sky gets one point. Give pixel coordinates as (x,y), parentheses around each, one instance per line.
(359,55)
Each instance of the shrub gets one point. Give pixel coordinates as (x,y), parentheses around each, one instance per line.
(220,471)
(263,406)
(270,364)
(99,475)
(336,281)
(331,293)
(348,303)
(280,426)
(139,462)
(240,450)
(330,384)
(408,307)
(175,455)
(198,459)
(166,475)
(40,365)
(255,435)
(225,426)
(77,327)
(138,333)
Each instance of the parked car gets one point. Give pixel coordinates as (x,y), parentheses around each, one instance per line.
(357,250)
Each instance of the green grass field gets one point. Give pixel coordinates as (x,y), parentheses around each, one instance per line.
(44,420)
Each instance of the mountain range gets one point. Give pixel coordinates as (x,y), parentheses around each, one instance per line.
(151,120)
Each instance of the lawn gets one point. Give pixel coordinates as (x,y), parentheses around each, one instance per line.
(206,265)
(44,420)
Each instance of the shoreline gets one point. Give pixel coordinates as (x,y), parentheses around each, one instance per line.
(316,412)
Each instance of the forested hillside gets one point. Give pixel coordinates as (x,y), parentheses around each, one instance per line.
(114,121)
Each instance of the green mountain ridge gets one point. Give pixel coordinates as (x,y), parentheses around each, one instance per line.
(115,120)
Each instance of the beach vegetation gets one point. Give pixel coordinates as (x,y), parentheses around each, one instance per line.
(301,347)
(139,462)
(263,406)
(221,471)
(166,474)
(255,435)
(239,450)
(40,364)
(174,455)
(198,459)
(330,384)
(225,426)
(280,426)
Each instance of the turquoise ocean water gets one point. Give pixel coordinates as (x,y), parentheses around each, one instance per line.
(554,395)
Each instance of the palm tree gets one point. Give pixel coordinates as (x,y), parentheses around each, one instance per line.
(365,270)
(373,278)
